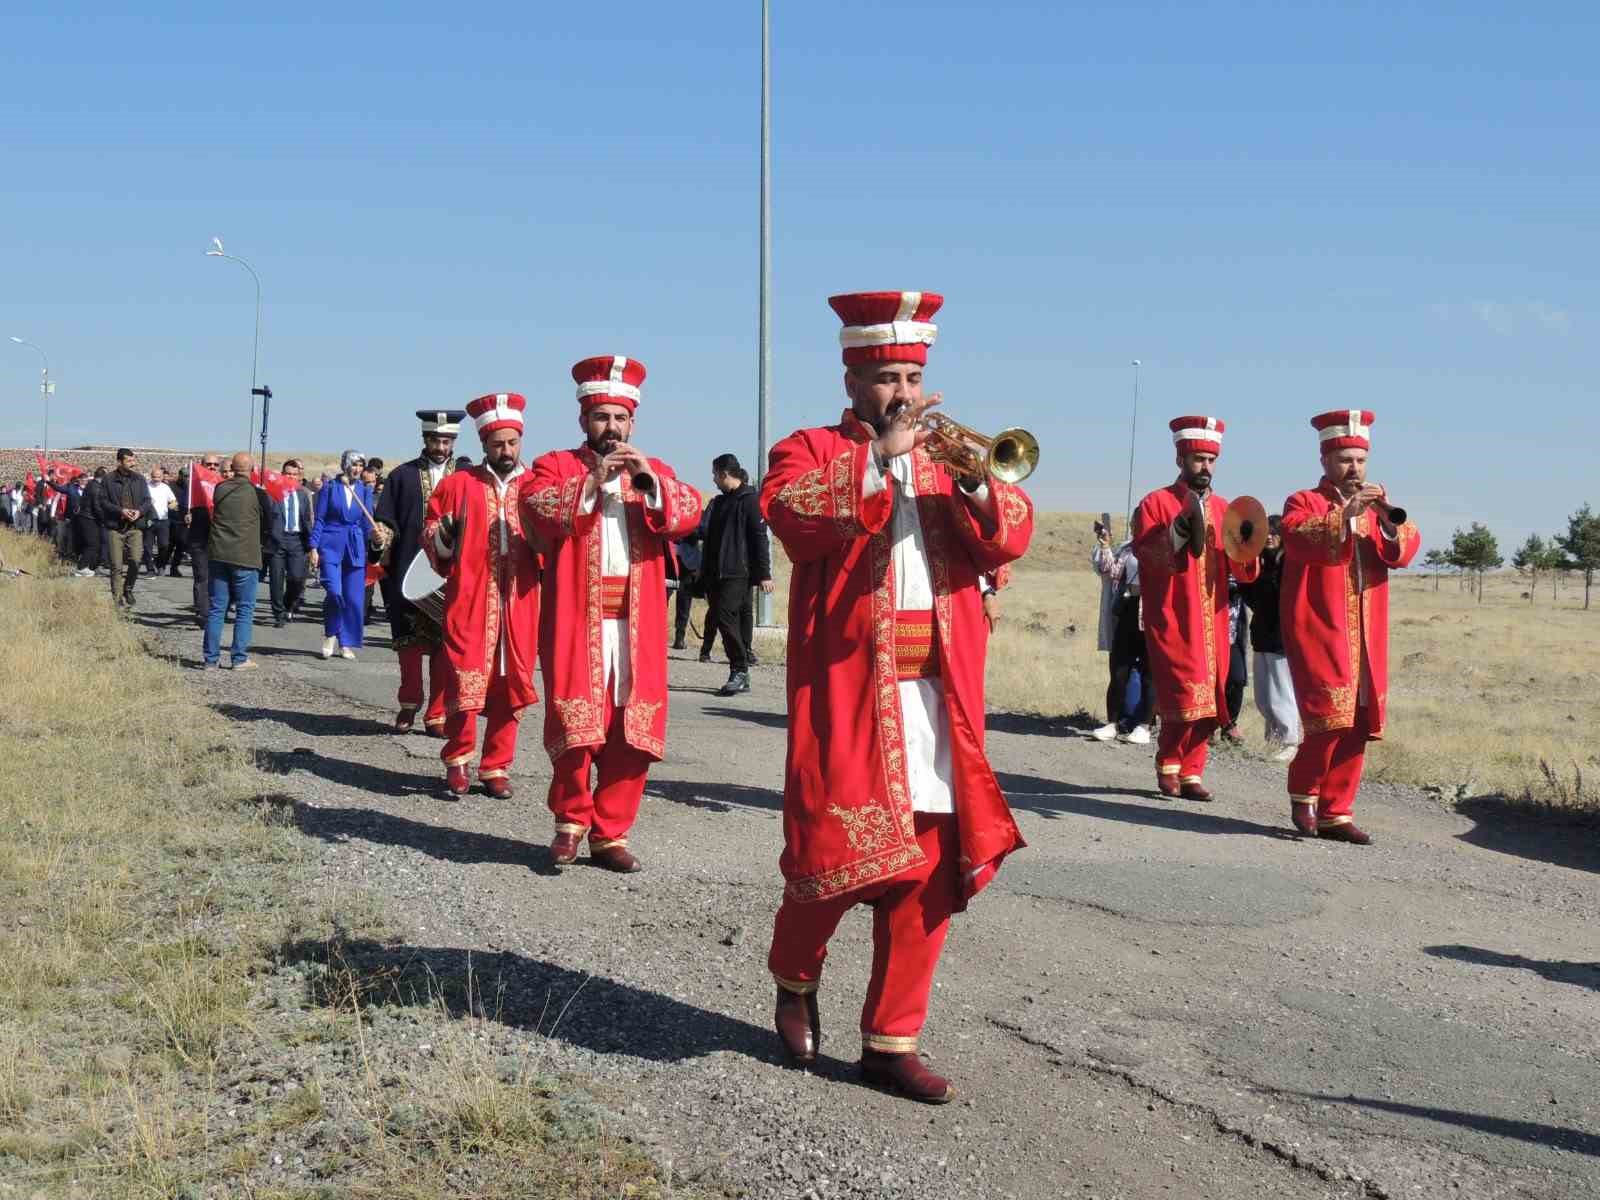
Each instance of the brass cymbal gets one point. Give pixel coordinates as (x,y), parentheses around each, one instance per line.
(1244,529)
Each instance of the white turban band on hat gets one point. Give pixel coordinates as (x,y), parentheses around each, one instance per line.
(891,333)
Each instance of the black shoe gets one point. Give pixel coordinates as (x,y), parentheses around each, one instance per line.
(705,656)
(174,573)
(752,660)
(738,682)
(680,644)
(279,622)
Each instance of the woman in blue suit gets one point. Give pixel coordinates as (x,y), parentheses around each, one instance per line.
(339,551)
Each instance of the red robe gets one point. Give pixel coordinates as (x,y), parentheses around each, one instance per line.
(490,597)
(1327,623)
(569,634)
(1184,601)
(847,811)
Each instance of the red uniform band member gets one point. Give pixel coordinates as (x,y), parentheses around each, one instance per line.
(605,514)
(400,512)
(888,797)
(1183,572)
(1339,543)
(474,536)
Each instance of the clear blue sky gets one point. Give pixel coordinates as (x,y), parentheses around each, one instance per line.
(1278,208)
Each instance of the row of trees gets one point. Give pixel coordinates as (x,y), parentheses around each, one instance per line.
(1474,552)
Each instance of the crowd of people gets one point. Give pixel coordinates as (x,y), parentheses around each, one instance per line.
(564,565)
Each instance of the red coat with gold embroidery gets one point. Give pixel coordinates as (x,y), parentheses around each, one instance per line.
(1184,602)
(1335,606)
(847,815)
(491,593)
(570,647)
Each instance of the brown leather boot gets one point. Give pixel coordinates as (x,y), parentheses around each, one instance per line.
(1304,816)
(798,1025)
(1167,785)
(1195,791)
(906,1074)
(497,786)
(1347,832)
(614,857)
(564,850)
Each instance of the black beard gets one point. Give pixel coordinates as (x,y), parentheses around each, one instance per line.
(1198,483)
(443,458)
(605,443)
(503,469)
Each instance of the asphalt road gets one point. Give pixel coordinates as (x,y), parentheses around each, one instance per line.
(1154,999)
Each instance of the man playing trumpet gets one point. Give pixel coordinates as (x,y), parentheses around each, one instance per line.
(888,797)
(1340,540)
(1183,571)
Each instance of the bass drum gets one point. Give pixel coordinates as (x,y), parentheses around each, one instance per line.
(424,588)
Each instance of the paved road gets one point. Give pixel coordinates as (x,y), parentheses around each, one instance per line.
(1154,999)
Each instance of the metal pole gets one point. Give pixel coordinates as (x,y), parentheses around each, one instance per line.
(255,349)
(764,373)
(44,389)
(1133,430)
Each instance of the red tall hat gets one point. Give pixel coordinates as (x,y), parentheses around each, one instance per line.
(608,379)
(498,410)
(886,326)
(1197,435)
(1344,429)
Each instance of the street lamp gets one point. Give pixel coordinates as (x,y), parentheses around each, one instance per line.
(216,251)
(1133,430)
(764,355)
(45,388)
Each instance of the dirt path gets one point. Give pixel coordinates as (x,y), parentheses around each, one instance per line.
(1153,1000)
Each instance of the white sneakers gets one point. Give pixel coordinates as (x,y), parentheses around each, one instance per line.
(346,652)
(1105,733)
(328,646)
(1139,735)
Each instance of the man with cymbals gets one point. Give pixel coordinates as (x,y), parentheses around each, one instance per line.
(1340,540)
(888,797)
(1183,569)
(400,511)
(474,536)
(605,514)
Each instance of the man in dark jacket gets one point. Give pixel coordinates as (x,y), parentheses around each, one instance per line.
(82,492)
(125,513)
(239,526)
(417,636)
(197,522)
(289,546)
(734,557)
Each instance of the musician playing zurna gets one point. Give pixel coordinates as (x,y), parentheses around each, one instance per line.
(606,513)
(1183,571)
(1340,540)
(400,511)
(888,796)
(474,536)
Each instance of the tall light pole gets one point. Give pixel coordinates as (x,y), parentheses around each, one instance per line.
(764,373)
(1133,430)
(45,388)
(216,251)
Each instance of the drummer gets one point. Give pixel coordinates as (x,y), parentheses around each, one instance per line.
(417,635)
(1183,572)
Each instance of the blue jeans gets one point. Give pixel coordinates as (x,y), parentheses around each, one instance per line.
(237,585)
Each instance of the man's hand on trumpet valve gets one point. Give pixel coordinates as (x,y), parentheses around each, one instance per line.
(906,431)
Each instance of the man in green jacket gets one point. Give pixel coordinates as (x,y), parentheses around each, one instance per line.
(241,518)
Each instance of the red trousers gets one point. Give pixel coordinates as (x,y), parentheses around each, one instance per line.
(499,735)
(1181,748)
(606,811)
(410,694)
(1327,769)
(910,917)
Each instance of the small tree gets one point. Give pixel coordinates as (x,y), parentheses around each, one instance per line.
(1475,552)
(1581,546)
(1532,558)
(1437,560)
(1555,565)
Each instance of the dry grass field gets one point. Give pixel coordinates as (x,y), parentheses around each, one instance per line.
(156,1033)
(1499,698)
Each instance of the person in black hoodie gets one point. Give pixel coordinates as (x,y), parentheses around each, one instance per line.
(1274,690)
(734,556)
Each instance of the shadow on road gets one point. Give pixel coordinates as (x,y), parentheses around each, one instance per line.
(1052,798)
(1561,1137)
(437,841)
(595,1013)
(316,724)
(1582,974)
(715,797)
(363,776)
(755,716)
(1504,827)
(1034,725)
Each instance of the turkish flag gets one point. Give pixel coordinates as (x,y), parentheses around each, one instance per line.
(277,484)
(202,482)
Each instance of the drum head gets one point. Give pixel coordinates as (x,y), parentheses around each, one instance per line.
(420,580)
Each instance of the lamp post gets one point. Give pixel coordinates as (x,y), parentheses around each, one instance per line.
(216,251)
(45,388)
(1133,429)
(764,357)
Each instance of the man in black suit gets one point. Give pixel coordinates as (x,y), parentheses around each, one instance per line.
(288,545)
(399,514)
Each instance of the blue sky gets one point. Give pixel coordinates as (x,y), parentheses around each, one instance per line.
(1278,208)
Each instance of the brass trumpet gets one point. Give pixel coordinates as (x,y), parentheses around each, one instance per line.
(1009,456)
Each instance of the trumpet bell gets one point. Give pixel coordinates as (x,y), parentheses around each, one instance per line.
(1013,455)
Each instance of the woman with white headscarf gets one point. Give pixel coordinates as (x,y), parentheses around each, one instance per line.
(339,553)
